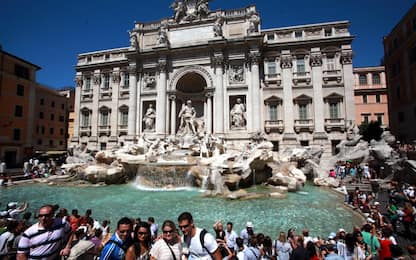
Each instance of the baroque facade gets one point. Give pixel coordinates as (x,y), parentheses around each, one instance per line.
(295,84)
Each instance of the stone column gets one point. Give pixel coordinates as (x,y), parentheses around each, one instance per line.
(115,85)
(219,110)
(161,98)
(95,111)
(347,70)
(286,64)
(209,112)
(132,116)
(78,90)
(318,101)
(172,114)
(255,91)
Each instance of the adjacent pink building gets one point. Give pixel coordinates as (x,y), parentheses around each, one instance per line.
(370,91)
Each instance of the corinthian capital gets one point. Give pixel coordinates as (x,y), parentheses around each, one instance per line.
(316,59)
(217,59)
(162,65)
(254,57)
(116,77)
(286,61)
(97,79)
(346,57)
(132,69)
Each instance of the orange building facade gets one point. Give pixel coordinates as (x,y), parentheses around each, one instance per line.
(400,63)
(370,91)
(33,118)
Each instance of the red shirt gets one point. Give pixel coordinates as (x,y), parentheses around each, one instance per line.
(384,250)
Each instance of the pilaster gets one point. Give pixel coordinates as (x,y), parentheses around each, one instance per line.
(286,65)
(347,70)
(78,89)
(94,117)
(219,94)
(318,103)
(161,98)
(254,89)
(132,116)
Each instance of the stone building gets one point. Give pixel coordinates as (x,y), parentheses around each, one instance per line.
(371,100)
(295,84)
(400,64)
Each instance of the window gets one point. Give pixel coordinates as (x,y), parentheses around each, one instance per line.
(107,56)
(273,115)
(16,134)
(87,83)
(50,142)
(124,118)
(21,71)
(42,101)
(103,146)
(401,117)
(51,131)
(395,43)
(333,110)
(18,111)
(61,131)
(89,59)
(61,118)
(298,34)
(62,106)
(52,117)
(104,118)
(106,81)
(380,118)
(398,92)
(363,79)
(304,143)
(85,119)
(300,65)
(365,118)
(61,142)
(376,78)
(303,112)
(20,90)
(328,32)
(270,37)
(330,63)
(37,129)
(365,99)
(53,104)
(126,79)
(41,115)
(378,98)
(39,141)
(43,130)
(271,67)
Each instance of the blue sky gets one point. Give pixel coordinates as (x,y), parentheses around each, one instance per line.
(50,33)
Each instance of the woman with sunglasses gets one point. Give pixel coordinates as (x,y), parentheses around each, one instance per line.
(169,246)
(142,242)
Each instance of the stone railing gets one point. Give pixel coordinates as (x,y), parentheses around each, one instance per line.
(301,77)
(275,77)
(85,130)
(273,125)
(304,125)
(331,76)
(334,124)
(104,130)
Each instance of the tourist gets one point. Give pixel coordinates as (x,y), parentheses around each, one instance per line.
(411,250)
(120,241)
(247,232)
(87,220)
(46,239)
(220,237)
(370,239)
(252,252)
(407,219)
(299,252)
(385,242)
(169,246)
(8,237)
(154,228)
(142,242)
(306,237)
(106,228)
(230,237)
(352,250)
(198,245)
(14,211)
(267,248)
(311,248)
(330,247)
(74,220)
(282,247)
(240,248)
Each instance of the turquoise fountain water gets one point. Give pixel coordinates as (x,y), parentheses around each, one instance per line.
(319,210)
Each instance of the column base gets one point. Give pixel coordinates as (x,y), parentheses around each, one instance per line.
(320,136)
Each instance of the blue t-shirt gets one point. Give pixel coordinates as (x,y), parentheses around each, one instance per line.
(113,249)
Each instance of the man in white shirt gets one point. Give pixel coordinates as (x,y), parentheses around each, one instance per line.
(231,236)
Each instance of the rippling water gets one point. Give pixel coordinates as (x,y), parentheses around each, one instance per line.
(319,210)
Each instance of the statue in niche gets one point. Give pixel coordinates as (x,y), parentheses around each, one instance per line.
(238,115)
(162,38)
(236,74)
(254,21)
(218,26)
(149,118)
(133,40)
(187,116)
(202,8)
(149,81)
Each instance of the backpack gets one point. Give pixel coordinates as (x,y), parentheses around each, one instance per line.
(201,240)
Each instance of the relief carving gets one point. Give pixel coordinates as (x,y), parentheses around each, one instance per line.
(286,62)
(316,60)
(236,74)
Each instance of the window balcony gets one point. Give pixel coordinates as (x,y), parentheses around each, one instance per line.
(105,93)
(331,76)
(85,130)
(273,126)
(104,130)
(302,125)
(124,92)
(302,77)
(86,95)
(275,77)
(332,124)
(122,130)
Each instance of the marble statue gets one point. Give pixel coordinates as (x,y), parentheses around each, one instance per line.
(237,114)
(218,26)
(236,74)
(254,22)
(202,8)
(149,81)
(187,116)
(162,38)
(133,40)
(179,9)
(149,118)
(189,10)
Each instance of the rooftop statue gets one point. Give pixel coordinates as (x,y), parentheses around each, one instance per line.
(189,10)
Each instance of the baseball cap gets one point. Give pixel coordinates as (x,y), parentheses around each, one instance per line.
(249,224)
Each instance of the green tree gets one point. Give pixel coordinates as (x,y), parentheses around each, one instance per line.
(371,131)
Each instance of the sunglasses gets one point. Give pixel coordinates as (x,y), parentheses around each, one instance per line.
(45,215)
(142,233)
(167,231)
(184,226)
(124,231)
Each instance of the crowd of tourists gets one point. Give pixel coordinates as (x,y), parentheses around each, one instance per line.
(56,233)
(357,172)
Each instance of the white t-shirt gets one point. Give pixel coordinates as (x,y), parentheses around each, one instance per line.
(160,250)
(196,251)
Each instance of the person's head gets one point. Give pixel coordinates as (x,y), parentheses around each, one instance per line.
(74,212)
(98,232)
(88,212)
(26,216)
(350,241)
(12,225)
(253,241)
(358,236)
(220,227)
(124,227)
(310,247)
(142,233)
(229,226)
(169,230)
(150,220)
(282,237)
(411,249)
(46,216)
(305,233)
(186,223)
(105,223)
(367,227)
(240,242)
(249,227)
(189,102)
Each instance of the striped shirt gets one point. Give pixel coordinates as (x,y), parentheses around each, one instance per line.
(115,248)
(45,244)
